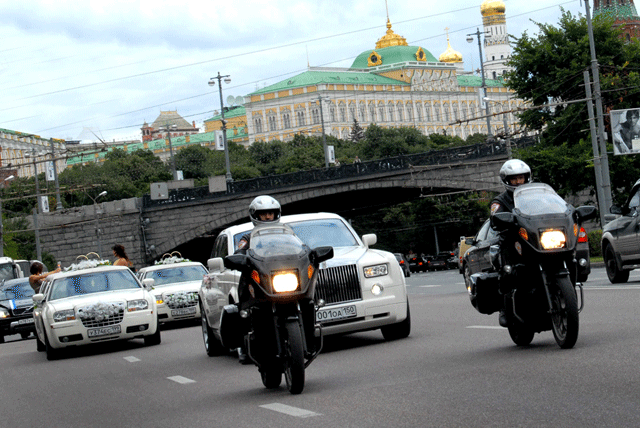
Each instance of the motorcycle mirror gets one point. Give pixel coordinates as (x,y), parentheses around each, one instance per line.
(321,254)
(586,213)
(502,221)
(235,261)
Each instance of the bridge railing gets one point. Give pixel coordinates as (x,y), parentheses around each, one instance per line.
(397,163)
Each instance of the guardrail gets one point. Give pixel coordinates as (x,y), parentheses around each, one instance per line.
(397,163)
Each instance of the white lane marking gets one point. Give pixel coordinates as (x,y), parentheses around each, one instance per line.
(181,379)
(429,286)
(288,410)
(489,327)
(132,359)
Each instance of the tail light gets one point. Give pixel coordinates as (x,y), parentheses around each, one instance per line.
(582,235)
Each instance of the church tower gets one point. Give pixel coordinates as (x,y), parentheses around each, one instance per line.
(623,12)
(496,39)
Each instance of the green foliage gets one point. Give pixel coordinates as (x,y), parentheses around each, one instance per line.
(357,133)
(595,238)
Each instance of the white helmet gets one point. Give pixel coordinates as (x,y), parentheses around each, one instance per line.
(263,204)
(514,167)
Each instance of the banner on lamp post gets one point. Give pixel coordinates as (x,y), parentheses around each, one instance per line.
(49,172)
(44,204)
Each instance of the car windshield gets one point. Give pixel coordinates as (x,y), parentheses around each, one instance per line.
(16,290)
(94,282)
(275,242)
(324,232)
(176,274)
(6,271)
(538,198)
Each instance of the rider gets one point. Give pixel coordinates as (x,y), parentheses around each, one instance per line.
(513,173)
(262,210)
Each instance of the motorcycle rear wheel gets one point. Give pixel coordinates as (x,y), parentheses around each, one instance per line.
(294,361)
(520,333)
(564,313)
(271,378)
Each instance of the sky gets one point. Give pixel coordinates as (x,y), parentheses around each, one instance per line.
(110,65)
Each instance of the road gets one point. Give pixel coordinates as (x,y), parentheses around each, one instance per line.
(457,369)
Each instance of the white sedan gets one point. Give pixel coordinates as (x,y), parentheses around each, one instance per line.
(92,305)
(176,288)
(359,289)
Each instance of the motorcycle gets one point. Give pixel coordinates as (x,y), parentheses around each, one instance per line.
(534,269)
(276,322)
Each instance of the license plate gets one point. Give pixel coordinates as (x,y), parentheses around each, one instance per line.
(104,331)
(26,321)
(184,311)
(324,315)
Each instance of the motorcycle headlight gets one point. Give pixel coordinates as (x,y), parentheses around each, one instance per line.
(284,282)
(137,305)
(68,315)
(377,270)
(553,239)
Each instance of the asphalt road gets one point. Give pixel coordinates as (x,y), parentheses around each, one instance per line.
(457,369)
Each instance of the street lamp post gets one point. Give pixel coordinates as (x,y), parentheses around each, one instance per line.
(35,173)
(324,136)
(11,177)
(172,160)
(506,127)
(95,213)
(484,83)
(212,82)
(55,177)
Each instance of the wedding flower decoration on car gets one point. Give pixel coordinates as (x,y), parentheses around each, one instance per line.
(100,311)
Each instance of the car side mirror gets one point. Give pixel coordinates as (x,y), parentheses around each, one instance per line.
(236,261)
(215,264)
(502,221)
(369,239)
(586,213)
(320,254)
(148,283)
(37,298)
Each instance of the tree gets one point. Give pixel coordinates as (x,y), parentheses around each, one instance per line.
(357,133)
(549,67)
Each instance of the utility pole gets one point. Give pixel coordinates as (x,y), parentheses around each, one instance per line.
(602,207)
(55,177)
(484,82)
(606,181)
(324,137)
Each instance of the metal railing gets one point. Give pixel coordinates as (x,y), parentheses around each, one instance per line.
(397,163)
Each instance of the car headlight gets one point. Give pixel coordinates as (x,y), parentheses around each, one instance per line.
(137,305)
(4,313)
(285,282)
(553,239)
(377,270)
(67,315)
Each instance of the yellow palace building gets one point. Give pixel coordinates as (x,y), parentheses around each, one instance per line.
(391,85)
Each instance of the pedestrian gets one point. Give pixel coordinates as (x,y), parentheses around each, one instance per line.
(36,277)
(356,160)
(121,257)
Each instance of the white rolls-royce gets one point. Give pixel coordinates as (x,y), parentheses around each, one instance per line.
(359,289)
(93,305)
(176,288)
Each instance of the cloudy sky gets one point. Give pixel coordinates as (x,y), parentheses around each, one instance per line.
(110,65)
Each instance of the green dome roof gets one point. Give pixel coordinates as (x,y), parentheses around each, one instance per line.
(391,55)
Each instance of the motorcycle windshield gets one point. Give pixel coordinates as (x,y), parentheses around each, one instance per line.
(274,244)
(538,198)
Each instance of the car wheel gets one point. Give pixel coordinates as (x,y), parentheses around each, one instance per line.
(1,338)
(398,330)
(467,277)
(154,339)
(615,274)
(52,353)
(40,347)
(25,335)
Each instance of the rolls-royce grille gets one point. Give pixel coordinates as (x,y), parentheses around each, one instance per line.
(338,284)
(108,320)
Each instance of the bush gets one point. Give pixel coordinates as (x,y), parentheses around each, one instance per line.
(595,249)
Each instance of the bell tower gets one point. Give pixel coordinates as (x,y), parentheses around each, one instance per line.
(624,13)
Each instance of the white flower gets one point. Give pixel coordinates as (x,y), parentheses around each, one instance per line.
(100,311)
(87,264)
(171,260)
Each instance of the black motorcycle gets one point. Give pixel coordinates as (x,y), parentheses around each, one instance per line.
(534,269)
(276,320)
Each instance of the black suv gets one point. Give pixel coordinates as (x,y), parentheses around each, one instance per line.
(16,308)
(620,238)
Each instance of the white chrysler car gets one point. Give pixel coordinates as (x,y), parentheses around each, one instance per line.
(93,305)
(360,288)
(176,288)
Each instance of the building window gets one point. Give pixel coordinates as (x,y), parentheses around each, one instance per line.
(381,116)
(352,113)
(372,113)
(391,119)
(287,121)
(300,117)
(315,116)
(400,115)
(258,124)
(272,123)
(343,114)
(409,113)
(363,113)
(427,116)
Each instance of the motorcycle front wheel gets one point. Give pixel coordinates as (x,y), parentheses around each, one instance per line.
(564,313)
(294,360)
(520,333)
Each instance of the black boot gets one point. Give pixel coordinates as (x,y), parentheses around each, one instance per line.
(502,319)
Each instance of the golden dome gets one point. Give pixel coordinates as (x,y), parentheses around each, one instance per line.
(390,39)
(492,7)
(450,55)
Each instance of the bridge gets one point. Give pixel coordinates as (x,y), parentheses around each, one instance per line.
(189,219)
